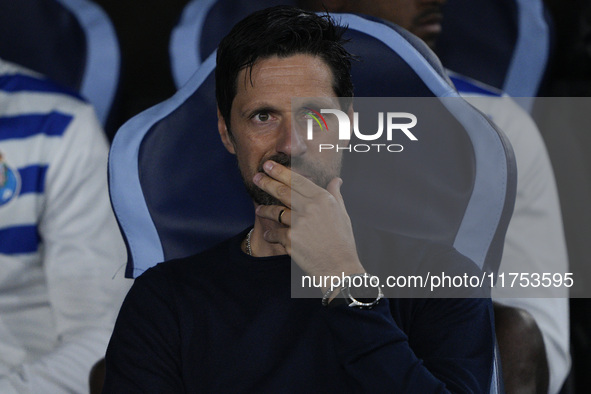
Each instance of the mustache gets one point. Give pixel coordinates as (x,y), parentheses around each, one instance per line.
(302,166)
(431,12)
(284,160)
(280,158)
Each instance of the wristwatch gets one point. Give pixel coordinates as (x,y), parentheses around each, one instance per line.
(360,291)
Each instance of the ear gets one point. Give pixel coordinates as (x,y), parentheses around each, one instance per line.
(225,134)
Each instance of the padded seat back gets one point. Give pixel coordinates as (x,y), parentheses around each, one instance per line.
(176,190)
(503,43)
(70,41)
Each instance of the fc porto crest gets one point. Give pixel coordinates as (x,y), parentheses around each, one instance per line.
(9,182)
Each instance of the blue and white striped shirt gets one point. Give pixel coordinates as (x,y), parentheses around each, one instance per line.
(59,243)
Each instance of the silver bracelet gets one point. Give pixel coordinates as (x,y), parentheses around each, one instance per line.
(327,296)
(351,301)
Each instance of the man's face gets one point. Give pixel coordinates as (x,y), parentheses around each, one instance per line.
(263,125)
(420,17)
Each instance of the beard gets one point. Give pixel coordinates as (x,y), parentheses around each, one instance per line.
(433,12)
(320,176)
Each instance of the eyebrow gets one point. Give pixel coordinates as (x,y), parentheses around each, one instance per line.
(259,108)
(319,102)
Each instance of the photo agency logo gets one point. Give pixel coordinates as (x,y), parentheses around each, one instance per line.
(389,123)
(9,182)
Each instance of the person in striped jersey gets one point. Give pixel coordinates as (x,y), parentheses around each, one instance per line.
(60,248)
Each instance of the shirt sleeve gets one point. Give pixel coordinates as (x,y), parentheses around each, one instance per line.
(83,258)
(449,347)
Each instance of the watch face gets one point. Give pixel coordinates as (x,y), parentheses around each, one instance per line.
(366,295)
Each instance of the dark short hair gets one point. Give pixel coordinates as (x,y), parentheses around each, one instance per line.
(281,31)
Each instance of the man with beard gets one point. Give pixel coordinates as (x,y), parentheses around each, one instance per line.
(225,321)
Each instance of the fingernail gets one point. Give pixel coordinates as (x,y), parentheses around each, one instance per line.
(257,209)
(257,177)
(265,234)
(268,165)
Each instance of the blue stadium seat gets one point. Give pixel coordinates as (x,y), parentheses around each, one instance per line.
(456,187)
(202,25)
(69,41)
(503,43)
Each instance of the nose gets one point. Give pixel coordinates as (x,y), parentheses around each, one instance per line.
(291,141)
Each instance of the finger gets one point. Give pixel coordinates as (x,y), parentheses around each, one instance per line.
(287,176)
(277,189)
(277,213)
(334,188)
(280,236)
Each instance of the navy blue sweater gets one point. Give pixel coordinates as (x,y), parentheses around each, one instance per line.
(224,322)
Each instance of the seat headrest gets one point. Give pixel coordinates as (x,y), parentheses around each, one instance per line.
(502,43)
(71,42)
